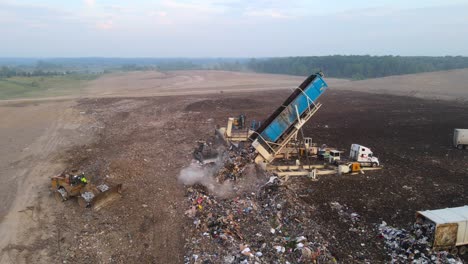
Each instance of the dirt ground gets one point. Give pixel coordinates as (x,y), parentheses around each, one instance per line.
(32,135)
(445,85)
(144,142)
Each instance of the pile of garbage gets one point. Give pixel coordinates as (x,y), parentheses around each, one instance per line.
(259,221)
(414,246)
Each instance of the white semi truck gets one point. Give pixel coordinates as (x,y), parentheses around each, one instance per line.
(460,138)
(363,155)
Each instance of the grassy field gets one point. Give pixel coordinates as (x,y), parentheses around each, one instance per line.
(43,86)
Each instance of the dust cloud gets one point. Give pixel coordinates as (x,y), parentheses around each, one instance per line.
(197,174)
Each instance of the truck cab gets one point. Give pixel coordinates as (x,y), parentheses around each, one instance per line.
(363,155)
(334,156)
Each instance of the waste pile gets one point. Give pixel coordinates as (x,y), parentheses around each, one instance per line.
(414,246)
(258,220)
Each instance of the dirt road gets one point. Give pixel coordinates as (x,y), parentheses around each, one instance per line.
(32,136)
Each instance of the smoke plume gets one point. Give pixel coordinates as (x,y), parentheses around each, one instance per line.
(196,174)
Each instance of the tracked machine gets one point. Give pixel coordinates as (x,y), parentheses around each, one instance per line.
(66,186)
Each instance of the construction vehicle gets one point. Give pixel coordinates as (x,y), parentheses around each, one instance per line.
(460,138)
(298,148)
(280,128)
(328,154)
(66,186)
(448,228)
(363,155)
(277,136)
(236,130)
(350,167)
(205,153)
(334,156)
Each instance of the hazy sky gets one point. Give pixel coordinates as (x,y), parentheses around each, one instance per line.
(231,28)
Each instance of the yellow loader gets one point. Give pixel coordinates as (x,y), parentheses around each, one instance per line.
(66,186)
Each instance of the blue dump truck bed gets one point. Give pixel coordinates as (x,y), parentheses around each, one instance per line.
(285,117)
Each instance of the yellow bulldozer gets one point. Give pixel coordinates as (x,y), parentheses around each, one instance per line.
(66,186)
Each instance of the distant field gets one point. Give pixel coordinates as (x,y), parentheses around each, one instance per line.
(446,85)
(42,86)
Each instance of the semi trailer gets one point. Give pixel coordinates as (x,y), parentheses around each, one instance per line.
(281,127)
(460,138)
(448,228)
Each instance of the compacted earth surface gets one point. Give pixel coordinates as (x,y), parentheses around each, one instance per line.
(145,142)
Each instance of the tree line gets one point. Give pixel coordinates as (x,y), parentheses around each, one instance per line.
(7,72)
(41,68)
(339,66)
(356,67)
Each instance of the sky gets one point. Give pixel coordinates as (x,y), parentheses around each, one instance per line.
(232,28)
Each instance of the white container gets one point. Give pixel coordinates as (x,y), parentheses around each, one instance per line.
(451,226)
(460,138)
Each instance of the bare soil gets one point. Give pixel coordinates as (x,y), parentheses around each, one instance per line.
(144,142)
(445,85)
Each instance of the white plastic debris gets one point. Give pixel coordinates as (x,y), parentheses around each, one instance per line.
(103,187)
(88,196)
(301,239)
(279,249)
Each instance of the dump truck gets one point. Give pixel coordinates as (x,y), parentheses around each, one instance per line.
(363,155)
(283,125)
(448,228)
(460,138)
(66,186)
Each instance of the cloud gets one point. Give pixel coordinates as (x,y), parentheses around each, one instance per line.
(158,14)
(232,27)
(197,6)
(89,3)
(37,25)
(267,13)
(106,25)
(119,8)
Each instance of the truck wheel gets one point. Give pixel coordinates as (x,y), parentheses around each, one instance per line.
(462,250)
(374,164)
(61,195)
(454,251)
(82,202)
(58,197)
(460,146)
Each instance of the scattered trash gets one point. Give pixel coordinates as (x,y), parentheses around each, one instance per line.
(413,246)
(258,221)
(407,188)
(103,187)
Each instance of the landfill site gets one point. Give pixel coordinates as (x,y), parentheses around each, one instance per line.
(223,167)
